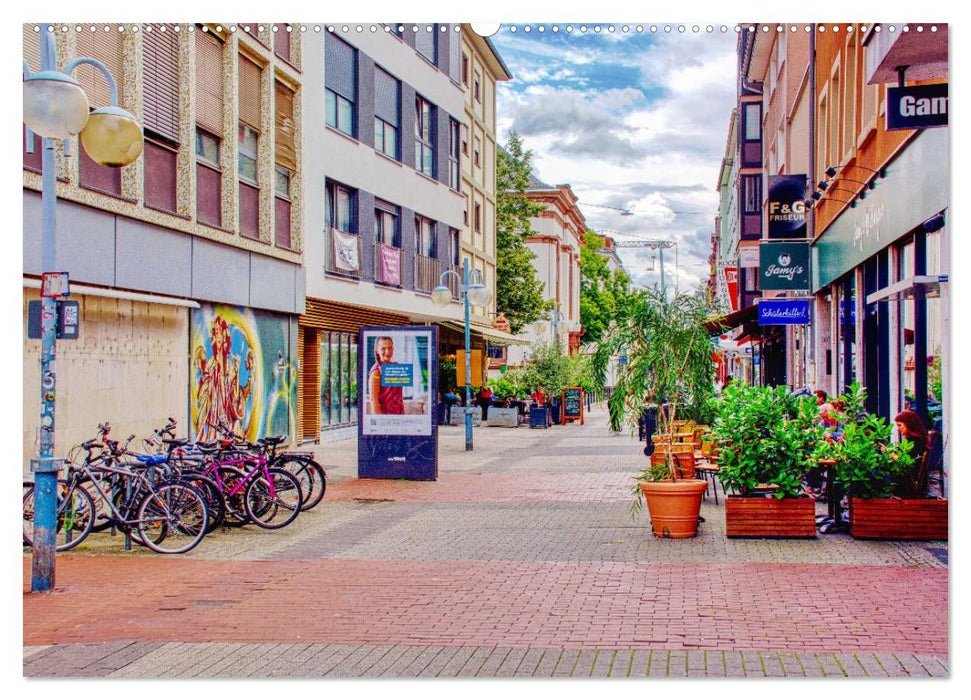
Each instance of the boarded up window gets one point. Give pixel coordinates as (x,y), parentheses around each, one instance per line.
(160,52)
(249,93)
(209,83)
(286,154)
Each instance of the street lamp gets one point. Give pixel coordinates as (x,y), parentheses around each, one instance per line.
(55,107)
(473,293)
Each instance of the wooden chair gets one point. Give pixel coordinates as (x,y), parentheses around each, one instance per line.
(684,462)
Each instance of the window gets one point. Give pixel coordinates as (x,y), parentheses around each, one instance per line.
(752,194)
(454,180)
(424,137)
(465,140)
(345,248)
(209,131)
(849,125)
(425,42)
(753,121)
(476,152)
(160,55)
(476,92)
(286,156)
(340,82)
(832,145)
(247,153)
(281,181)
(386,224)
(386,120)
(478,218)
(465,70)
(425,237)
(454,246)
(107,48)
(465,212)
(281,42)
(208,179)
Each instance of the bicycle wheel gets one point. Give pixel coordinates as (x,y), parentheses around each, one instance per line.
(172,519)
(213,497)
(103,516)
(310,476)
(231,478)
(275,503)
(75,516)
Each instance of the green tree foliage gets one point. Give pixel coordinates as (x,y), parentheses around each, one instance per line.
(519,294)
(603,293)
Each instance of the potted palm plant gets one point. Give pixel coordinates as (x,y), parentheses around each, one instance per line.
(877,477)
(668,359)
(765,440)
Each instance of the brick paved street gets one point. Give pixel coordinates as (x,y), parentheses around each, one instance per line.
(521,560)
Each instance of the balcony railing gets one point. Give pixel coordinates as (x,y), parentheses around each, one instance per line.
(387,265)
(343,254)
(428,271)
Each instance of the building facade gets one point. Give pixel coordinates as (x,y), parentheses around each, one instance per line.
(187,264)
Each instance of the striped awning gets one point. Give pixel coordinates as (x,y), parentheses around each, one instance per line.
(490,335)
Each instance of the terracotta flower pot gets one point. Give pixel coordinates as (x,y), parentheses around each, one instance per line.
(674,506)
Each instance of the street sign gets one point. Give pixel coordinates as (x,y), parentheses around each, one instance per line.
(68,320)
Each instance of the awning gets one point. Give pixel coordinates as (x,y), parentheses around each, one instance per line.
(718,326)
(918,286)
(490,335)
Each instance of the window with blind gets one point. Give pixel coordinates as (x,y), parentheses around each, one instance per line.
(340,85)
(160,57)
(387,91)
(286,162)
(344,255)
(424,137)
(281,42)
(209,131)
(249,130)
(106,47)
(425,42)
(387,229)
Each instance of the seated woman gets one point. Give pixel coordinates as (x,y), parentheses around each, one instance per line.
(911,427)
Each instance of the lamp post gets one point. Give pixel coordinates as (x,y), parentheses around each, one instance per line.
(473,293)
(554,316)
(56,107)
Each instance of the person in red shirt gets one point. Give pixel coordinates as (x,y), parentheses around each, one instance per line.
(538,396)
(484,400)
(383,399)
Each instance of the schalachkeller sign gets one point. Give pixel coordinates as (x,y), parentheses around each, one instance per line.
(916,106)
(784,312)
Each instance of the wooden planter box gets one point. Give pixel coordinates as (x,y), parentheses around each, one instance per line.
(770,517)
(899,518)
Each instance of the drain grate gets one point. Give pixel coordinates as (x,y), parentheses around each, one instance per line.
(374,500)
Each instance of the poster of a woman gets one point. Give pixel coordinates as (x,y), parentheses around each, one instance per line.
(396,371)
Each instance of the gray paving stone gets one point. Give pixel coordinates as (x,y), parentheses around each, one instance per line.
(471,667)
(566,663)
(455,663)
(510,664)
(493,662)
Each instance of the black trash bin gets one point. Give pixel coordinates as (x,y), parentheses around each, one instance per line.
(538,417)
(555,411)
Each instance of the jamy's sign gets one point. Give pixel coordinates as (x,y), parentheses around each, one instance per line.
(917,106)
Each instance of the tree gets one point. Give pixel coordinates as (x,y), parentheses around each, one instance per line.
(603,293)
(519,294)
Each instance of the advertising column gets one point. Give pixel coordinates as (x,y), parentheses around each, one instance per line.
(398,391)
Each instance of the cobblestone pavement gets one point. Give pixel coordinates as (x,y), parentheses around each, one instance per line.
(522,559)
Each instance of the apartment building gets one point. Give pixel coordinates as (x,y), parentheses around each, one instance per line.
(400,189)
(187,264)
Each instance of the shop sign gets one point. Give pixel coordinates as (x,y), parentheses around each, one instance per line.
(783,312)
(748,256)
(784,266)
(731,280)
(787,206)
(916,106)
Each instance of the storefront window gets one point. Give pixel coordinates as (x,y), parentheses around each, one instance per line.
(338,379)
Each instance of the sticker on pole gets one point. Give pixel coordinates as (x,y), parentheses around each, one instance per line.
(54,284)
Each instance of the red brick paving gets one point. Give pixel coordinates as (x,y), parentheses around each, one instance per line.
(728,606)
(600,487)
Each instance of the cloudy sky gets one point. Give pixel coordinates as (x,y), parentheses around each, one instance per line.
(629,120)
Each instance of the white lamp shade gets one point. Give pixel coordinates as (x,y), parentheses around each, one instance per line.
(112,137)
(441,296)
(479,294)
(55,106)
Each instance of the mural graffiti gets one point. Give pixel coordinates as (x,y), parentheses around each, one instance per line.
(241,373)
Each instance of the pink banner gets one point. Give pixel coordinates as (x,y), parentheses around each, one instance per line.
(390,265)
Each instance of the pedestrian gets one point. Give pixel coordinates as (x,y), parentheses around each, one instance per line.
(451,398)
(484,400)
(912,428)
(537,396)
